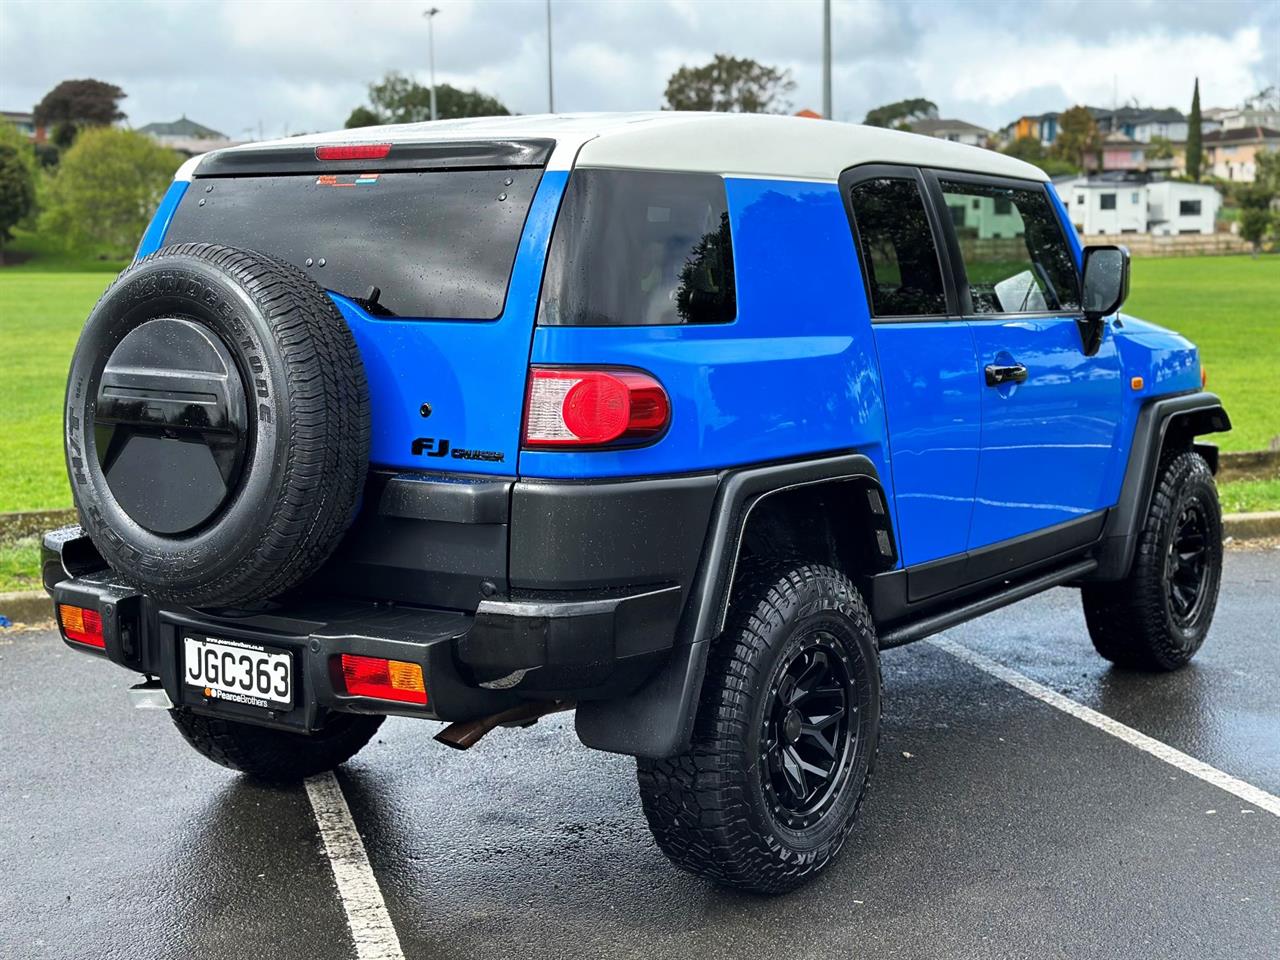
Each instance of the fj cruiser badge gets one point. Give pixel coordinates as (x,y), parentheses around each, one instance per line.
(431,447)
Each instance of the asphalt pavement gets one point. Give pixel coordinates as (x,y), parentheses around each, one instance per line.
(996,825)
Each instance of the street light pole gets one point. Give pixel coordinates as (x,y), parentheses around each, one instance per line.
(551,90)
(826,59)
(431,53)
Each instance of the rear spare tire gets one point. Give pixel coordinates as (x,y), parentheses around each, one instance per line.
(217,425)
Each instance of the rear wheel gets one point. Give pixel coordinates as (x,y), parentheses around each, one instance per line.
(785,737)
(276,756)
(1157,617)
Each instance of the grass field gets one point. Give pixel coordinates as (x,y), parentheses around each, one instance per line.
(1229,305)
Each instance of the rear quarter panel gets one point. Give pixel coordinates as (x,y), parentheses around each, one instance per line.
(794,375)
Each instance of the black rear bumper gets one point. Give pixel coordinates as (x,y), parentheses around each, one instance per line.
(474,664)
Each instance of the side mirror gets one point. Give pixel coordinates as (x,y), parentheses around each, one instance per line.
(1106,285)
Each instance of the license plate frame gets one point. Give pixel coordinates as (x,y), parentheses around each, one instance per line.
(239,672)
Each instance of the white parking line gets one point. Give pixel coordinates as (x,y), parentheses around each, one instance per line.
(371,930)
(1187,764)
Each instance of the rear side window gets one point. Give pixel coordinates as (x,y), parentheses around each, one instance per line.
(895,245)
(1015,255)
(634,248)
(434,243)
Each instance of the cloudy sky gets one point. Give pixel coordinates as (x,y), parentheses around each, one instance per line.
(287,65)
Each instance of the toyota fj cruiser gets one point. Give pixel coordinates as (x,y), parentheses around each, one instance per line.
(678,420)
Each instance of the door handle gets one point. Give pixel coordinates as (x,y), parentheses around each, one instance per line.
(1005,373)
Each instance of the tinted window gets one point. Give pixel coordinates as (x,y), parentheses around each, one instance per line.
(896,248)
(436,244)
(1015,255)
(638,248)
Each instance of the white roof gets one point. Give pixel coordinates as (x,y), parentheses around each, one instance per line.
(734,144)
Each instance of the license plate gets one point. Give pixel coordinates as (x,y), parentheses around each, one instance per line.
(238,672)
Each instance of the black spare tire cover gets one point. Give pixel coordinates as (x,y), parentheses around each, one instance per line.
(217,425)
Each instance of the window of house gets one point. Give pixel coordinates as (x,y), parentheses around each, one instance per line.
(895,245)
(1134,197)
(1106,201)
(1003,206)
(1188,208)
(1079,199)
(1026,265)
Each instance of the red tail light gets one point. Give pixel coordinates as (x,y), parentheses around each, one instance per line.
(353,151)
(591,408)
(81,625)
(383,679)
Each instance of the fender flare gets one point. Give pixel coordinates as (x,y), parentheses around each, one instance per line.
(657,720)
(1181,418)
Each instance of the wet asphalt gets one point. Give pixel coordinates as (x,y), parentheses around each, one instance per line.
(996,826)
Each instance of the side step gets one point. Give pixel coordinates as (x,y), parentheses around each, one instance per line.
(1020,590)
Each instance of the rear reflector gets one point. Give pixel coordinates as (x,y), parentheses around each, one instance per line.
(353,151)
(587,408)
(81,625)
(383,679)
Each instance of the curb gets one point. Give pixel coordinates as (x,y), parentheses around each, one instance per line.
(1251,526)
(33,606)
(27,607)
(1248,465)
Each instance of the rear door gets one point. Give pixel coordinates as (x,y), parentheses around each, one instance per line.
(433,252)
(928,366)
(1049,413)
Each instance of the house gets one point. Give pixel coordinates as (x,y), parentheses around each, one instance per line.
(26,124)
(1174,207)
(1142,124)
(1232,154)
(1128,203)
(957,131)
(1121,152)
(1043,127)
(187,136)
(1237,118)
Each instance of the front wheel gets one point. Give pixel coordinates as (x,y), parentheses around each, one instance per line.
(1157,617)
(785,737)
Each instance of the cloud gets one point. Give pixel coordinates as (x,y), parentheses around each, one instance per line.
(295,66)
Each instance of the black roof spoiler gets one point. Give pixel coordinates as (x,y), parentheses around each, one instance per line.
(426,155)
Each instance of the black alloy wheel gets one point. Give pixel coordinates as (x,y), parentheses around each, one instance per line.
(1187,563)
(808,735)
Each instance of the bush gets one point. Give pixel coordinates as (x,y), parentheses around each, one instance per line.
(108,184)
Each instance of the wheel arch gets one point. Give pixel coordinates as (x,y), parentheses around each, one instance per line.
(657,720)
(1164,424)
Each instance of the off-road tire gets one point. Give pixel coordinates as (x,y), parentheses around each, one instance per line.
(708,808)
(276,756)
(1132,622)
(307,410)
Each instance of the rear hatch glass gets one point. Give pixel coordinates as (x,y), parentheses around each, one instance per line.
(434,243)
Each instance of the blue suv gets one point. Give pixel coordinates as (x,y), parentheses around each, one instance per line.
(676,420)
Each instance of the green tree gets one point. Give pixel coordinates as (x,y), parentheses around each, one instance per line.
(1194,146)
(1161,148)
(902,113)
(400,99)
(74,104)
(1078,140)
(730,85)
(106,189)
(1029,149)
(1258,218)
(17,192)
(363,117)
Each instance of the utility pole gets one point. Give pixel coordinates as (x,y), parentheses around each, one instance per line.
(431,54)
(826,59)
(551,90)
